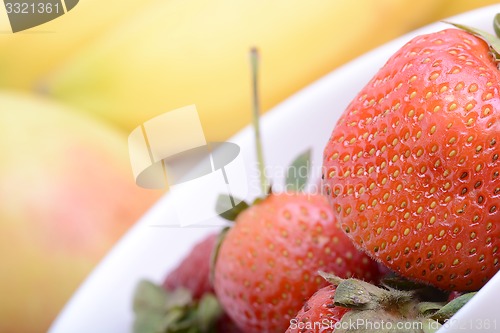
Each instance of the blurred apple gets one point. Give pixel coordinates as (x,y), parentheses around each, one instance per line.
(66,195)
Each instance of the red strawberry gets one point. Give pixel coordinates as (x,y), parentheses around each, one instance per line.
(268,262)
(318,314)
(193,271)
(412,168)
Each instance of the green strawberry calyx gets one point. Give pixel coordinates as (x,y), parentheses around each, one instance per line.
(298,172)
(361,295)
(496,25)
(160,311)
(421,309)
(448,310)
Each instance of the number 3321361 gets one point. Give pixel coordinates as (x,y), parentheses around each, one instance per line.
(32,8)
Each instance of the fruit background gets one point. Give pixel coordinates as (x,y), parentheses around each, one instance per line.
(72,89)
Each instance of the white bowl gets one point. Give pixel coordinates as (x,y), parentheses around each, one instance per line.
(154,245)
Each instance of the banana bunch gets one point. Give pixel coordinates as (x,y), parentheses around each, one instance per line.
(175,53)
(29,55)
(128,61)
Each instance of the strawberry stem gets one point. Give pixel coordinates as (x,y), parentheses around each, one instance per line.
(254,59)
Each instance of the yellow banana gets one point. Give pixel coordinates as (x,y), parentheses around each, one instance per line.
(25,56)
(180,52)
(453,7)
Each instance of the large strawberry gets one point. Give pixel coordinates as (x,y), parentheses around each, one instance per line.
(267,264)
(412,167)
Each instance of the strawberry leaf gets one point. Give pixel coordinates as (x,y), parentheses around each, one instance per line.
(365,321)
(298,172)
(148,322)
(496,25)
(430,326)
(357,294)
(208,309)
(229,207)
(160,311)
(398,282)
(149,297)
(331,278)
(447,311)
(428,308)
(423,291)
(178,298)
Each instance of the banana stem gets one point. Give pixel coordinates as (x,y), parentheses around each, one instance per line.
(254,59)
